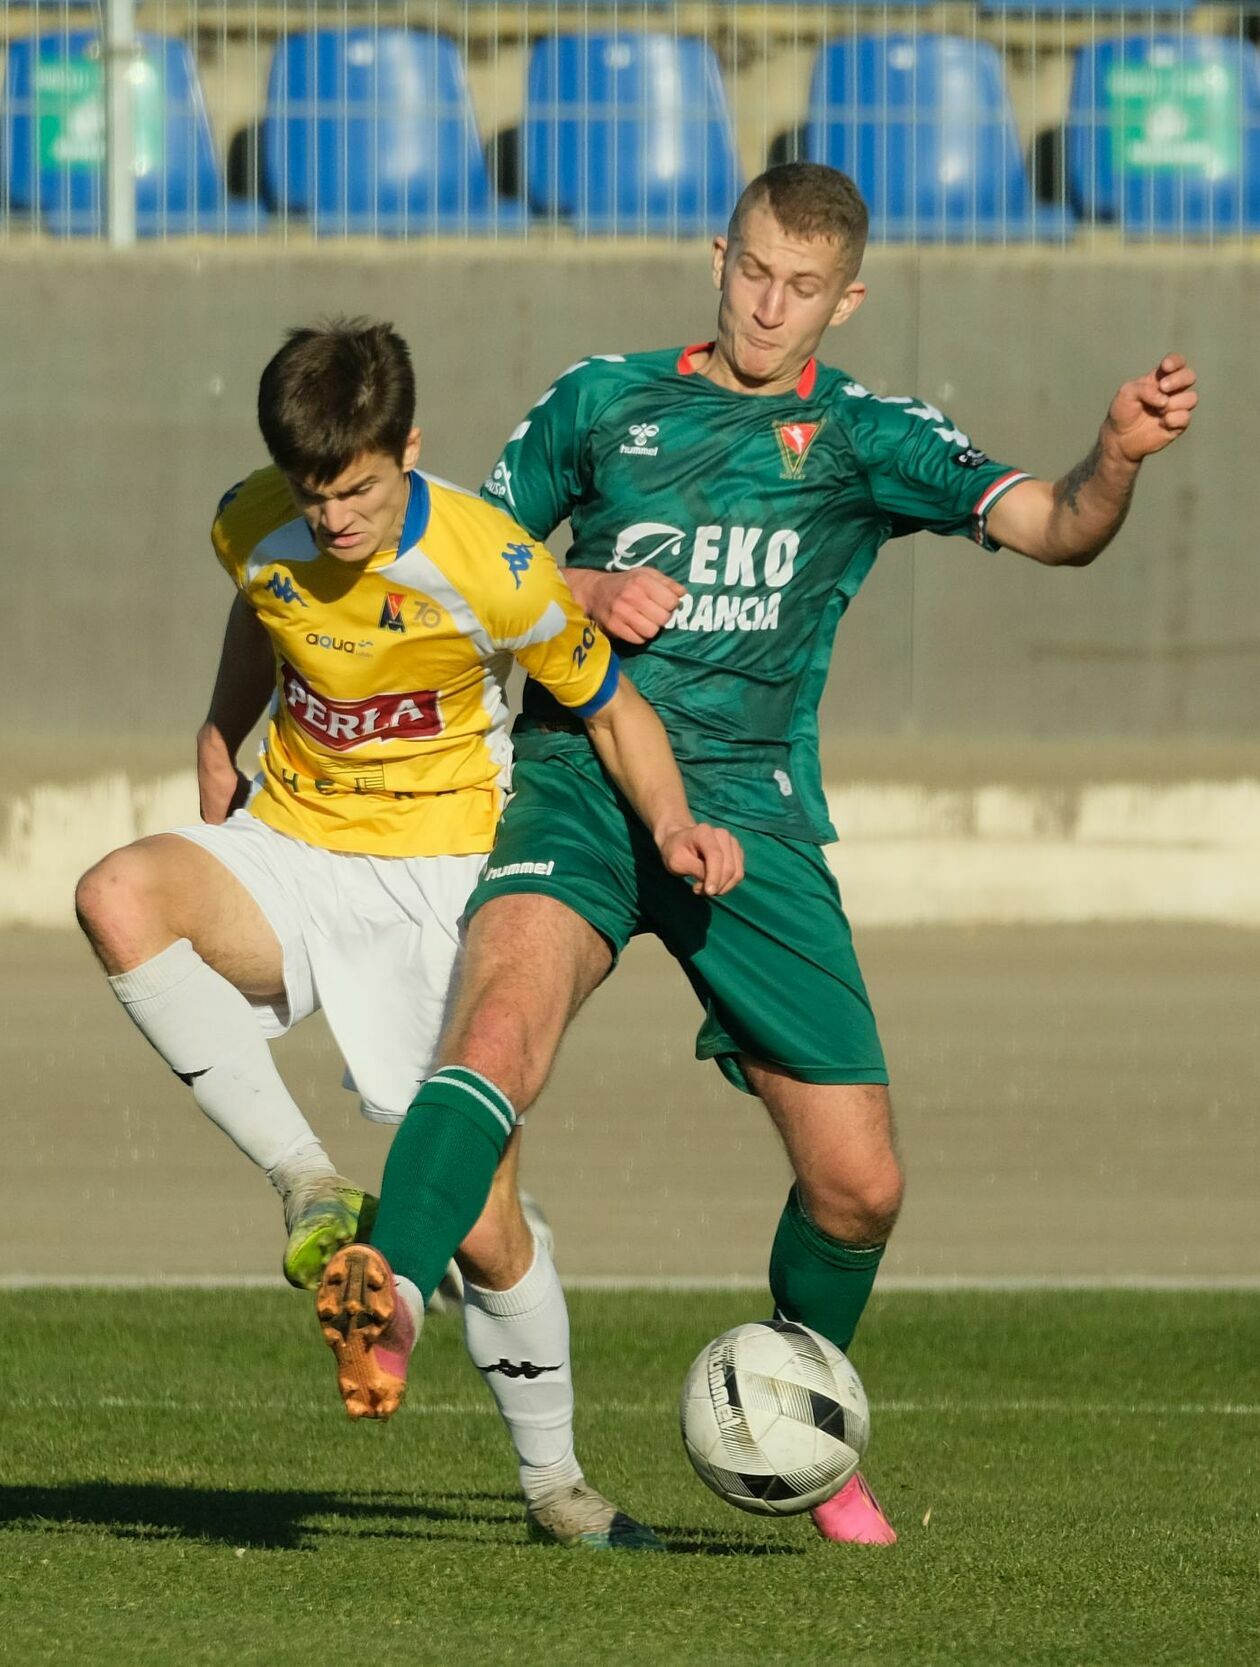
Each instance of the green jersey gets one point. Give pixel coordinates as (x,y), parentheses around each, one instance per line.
(771,511)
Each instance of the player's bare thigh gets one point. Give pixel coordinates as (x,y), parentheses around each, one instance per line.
(841,1143)
(529,963)
(140,899)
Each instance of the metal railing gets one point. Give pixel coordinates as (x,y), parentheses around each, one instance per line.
(996,123)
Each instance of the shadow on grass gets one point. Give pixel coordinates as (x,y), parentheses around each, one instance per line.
(708,1542)
(296,1520)
(259,1519)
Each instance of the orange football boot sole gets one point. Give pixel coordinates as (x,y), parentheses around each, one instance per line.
(356,1306)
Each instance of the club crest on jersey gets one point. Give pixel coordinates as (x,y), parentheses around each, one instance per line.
(795,440)
(391,612)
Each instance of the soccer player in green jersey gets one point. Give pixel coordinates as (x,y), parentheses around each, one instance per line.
(726,502)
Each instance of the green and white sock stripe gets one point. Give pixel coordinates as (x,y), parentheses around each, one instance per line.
(480,1088)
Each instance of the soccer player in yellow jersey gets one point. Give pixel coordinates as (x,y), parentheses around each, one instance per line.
(378,608)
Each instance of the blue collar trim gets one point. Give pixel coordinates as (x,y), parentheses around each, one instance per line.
(416,521)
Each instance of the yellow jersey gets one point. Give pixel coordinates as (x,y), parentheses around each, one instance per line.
(388,732)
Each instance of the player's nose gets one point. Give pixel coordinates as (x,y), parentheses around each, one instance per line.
(770,306)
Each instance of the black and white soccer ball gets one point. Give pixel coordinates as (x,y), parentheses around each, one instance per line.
(774,1417)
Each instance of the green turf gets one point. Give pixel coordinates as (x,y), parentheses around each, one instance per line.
(1074,1478)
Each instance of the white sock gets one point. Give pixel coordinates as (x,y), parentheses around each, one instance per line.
(209,1035)
(412,1298)
(519,1342)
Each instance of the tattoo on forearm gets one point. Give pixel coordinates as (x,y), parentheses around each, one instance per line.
(1068,490)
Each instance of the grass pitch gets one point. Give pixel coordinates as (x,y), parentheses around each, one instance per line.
(1073,1476)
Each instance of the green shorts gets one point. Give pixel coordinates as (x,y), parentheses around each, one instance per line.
(772,962)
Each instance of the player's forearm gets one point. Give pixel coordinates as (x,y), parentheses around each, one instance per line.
(584,584)
(245,678)
(1088,505)
(633,747)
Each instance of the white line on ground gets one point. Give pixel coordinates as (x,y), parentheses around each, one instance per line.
(890,1284)
(914,1409)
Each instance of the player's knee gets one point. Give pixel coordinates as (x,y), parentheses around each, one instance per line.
(858,1207)
(498,1042)
(114,895)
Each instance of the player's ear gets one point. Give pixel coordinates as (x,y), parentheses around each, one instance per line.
(850,301)
(719,261)
(411,451)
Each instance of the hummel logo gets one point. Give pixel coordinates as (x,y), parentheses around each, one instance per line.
(641,433)
(526,1369)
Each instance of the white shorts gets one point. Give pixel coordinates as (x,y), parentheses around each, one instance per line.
(374,941)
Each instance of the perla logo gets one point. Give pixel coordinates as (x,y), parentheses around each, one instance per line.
(656,538)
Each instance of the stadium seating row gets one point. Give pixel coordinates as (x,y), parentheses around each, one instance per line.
(372,130)
(1069,8)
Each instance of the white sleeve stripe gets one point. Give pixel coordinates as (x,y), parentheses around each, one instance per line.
(546,628)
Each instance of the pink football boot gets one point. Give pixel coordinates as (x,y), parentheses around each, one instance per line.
(853,1517)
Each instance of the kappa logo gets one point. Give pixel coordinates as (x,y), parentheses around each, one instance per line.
(795,440)
(641,434)
(656,539)
(518,1369)
(518,557)
(282,589)
(391,612)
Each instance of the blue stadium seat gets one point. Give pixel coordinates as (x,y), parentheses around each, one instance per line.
(54,136)
(629,133)
(924,125)
(1164,134)
(372,130)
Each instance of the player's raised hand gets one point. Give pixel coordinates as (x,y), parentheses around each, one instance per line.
(1150,412)
(633,607)
(712,859)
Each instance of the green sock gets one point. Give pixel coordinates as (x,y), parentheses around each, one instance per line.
(438,1172)
(819,1281)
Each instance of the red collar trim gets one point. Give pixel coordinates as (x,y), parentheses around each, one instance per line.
(684,366)
(805,382)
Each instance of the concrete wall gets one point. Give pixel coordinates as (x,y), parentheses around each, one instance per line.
(126,408)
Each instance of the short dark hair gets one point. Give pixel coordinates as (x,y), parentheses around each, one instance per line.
(810,200)
(333,392)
